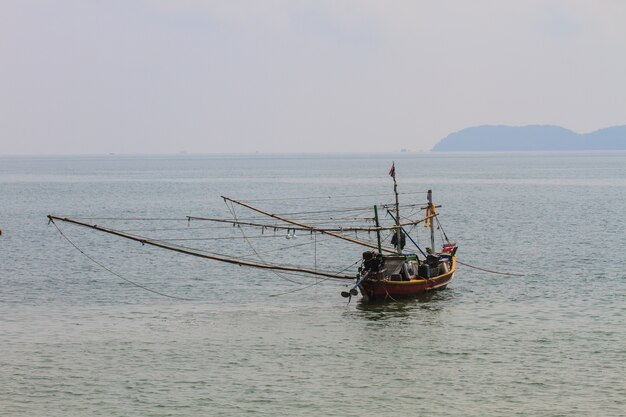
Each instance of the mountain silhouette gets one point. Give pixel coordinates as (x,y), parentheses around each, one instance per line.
(531,138)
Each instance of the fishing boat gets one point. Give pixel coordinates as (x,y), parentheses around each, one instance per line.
(403,275)
(391,277)
(386,271)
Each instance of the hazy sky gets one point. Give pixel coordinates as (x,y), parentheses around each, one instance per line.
(159,76)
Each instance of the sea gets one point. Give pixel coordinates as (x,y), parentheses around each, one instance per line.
(96,325)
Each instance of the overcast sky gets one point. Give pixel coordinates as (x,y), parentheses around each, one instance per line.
(165,76)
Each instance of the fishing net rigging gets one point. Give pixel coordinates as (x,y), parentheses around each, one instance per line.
(385,266)
(258,255)
(101,265)
(231,207)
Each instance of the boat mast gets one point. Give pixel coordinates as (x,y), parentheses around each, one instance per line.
(380,249)
(398,228)
(431,209)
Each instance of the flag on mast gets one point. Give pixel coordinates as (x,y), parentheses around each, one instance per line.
(392,171)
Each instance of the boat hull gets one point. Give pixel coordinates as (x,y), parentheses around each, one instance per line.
(393,290)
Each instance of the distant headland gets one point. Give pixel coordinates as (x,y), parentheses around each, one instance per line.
(531,138)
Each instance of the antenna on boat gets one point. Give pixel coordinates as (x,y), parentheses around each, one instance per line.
(392,173)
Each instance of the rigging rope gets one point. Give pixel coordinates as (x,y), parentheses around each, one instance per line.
(490,271)
(222,238)
(340,210)
(232,211)
(441,229)
(131,218)
(330,197)
(115,273)
(276,250)
(317,282)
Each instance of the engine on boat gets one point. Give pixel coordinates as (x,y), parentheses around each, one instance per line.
(372,261)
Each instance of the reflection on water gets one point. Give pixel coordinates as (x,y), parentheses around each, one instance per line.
(433,301)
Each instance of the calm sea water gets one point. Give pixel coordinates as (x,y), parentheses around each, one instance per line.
(77,340)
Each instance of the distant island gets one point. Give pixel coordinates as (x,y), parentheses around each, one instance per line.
(531,138)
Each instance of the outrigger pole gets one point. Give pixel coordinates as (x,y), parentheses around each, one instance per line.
(309,227)
(378,228)
(328,232)
(197,253)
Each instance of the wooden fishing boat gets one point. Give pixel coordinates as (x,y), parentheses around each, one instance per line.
(386,271)
(405,275)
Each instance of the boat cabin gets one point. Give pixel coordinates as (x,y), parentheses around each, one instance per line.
(405,267)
